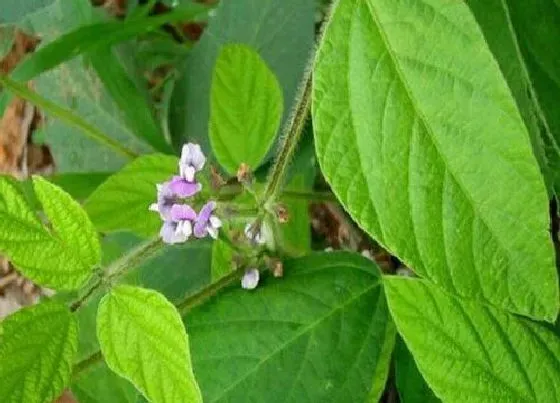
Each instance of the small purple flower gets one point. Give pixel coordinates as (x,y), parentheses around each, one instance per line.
(192,160)
(179,227)
(250,279)
(206,223)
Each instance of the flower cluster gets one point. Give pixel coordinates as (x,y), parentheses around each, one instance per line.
(180,220)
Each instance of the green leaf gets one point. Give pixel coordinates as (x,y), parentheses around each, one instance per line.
(36,353)
(62,255)
(15,11)
(79,185)
(129,97)
(411,385)
(122,201)
(83,39)
(142,339)
(469,351)
(282,338)
(447,183)
(281,32)
(523,37)
(245,108)
(222,263)
(101,385)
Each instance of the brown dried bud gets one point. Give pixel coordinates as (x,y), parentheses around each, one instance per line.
(282,214)
(278,269)
(216,180)
(244,174)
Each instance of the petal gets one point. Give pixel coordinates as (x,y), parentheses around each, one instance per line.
(213,232)
(182,188)
(180,212)
(215,222)
(250,279)
(206,212)
(200,229)
(186,228)
(197,157)
(154,207)
(187,172)
(167,232)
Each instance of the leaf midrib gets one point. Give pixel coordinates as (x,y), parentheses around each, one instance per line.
(401,76)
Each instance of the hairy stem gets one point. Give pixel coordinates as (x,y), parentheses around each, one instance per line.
(196,299)
(118,268)
(292,134)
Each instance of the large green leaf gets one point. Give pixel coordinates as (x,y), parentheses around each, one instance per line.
(471,352)
(411,385)
(245,108)
(61,255)
(142,339)
(36,352)
(281,32)
(447,183)
(524,39)
(122,201)
(320,334)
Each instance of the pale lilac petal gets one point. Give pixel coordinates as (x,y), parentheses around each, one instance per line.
(192,154)
(206,211)
(202,219)
(167,232)
(187,172)
(185,227)
(250,279)
(183,188)
(215,222)
(180,212)
(200,229)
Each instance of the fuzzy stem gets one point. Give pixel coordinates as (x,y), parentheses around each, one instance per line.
(118,268)
(293,131)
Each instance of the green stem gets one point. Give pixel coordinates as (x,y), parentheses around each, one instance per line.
(118,268)
(86,363)
(292,134)
(64,115)
(196,299)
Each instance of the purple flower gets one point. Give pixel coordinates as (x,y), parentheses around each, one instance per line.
(192,160)
(179,226)
(250,279)
(206,223)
